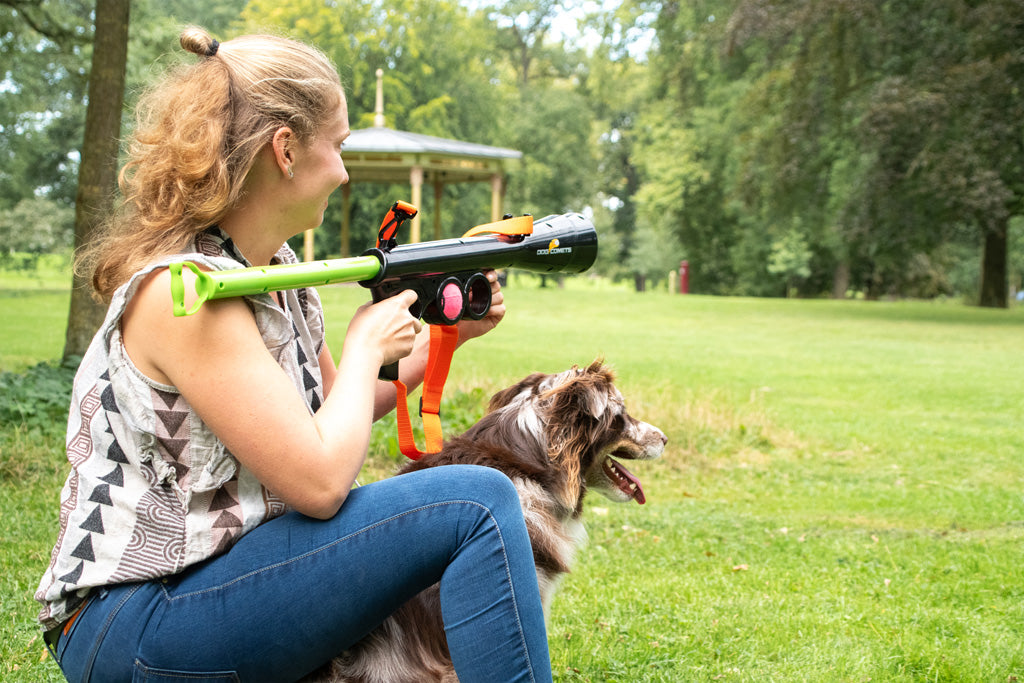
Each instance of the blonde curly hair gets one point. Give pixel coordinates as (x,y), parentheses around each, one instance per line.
(199,131)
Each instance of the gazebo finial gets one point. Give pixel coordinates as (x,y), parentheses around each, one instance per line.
(378,108)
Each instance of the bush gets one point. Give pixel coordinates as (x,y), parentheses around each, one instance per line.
(38,398)
(34,227)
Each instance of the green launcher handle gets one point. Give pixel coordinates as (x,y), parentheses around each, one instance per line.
(223,284)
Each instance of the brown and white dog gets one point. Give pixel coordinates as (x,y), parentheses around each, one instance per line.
(556,437)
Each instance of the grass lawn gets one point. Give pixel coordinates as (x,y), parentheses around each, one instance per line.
(841,498)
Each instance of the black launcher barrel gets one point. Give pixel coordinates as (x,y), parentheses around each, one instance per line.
(558,244)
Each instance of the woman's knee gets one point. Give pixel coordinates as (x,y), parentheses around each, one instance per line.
(484,485)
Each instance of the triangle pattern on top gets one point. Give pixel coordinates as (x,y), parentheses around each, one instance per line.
(172,420)
(74,575)
(94,522)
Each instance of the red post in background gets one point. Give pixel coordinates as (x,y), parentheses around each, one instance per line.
(684,277)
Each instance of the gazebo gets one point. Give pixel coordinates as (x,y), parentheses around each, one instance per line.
(383,155)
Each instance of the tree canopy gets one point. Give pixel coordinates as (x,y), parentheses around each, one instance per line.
(800,148)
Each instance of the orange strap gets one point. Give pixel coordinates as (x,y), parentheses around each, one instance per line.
(519,225)
(443,339)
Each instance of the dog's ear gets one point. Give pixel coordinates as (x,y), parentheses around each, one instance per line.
(592,386)
(582,393)
(595,402)
(575,410)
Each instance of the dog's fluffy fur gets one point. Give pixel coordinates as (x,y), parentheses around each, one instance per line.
(555,437)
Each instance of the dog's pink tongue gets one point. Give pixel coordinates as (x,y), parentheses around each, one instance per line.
(628,483)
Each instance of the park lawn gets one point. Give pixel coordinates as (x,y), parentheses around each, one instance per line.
(33,327)
(840,499)
(35,313)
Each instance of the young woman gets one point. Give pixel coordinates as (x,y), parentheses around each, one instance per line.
(209,528)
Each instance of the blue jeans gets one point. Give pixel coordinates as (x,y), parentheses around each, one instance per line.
(296,591)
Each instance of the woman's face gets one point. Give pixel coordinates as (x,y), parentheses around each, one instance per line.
(319,170)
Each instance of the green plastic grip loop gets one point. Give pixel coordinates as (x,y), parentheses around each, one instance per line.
(222,284)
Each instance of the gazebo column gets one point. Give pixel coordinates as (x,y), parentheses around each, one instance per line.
(416,180)
(438,193)
(307,245)
(346,218)
(497,196)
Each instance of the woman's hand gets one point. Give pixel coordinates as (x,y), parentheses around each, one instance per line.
(469,329)
(385,330)
(411,369)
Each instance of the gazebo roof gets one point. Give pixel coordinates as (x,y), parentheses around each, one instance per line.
(381,154)
(398,141)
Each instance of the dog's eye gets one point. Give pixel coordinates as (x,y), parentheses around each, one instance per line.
(618,423)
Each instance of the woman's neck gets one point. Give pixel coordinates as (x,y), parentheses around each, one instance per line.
(256,232)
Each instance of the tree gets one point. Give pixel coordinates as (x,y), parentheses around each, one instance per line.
(52,226)
(889,130)
(616,87)
(789,258)
(43,85)
(523,26)
(688,140)
(97,177)
(553,128)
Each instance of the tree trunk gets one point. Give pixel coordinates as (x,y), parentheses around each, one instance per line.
(97,173)
(841,280)
(994,271)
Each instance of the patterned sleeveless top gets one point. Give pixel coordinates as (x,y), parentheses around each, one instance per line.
(151,489)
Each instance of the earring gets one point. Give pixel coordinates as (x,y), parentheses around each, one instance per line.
(291,173)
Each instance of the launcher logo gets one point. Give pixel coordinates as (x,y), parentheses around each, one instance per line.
(553,248)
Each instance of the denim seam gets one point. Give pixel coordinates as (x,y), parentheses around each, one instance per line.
(490,515)
(103,631)
(147,669)
(512,593)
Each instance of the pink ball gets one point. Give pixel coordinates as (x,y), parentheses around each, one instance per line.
(451,301)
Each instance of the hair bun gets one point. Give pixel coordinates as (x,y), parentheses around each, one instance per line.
(198,42)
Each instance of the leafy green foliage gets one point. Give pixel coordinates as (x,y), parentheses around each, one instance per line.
(35,227)
(882,136)
(790,257)
(38,398)
(882,133)
(555,125)
(42,81)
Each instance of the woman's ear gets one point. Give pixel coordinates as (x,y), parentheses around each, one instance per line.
(284,144)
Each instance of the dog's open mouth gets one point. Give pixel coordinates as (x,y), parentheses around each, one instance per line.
(624,479)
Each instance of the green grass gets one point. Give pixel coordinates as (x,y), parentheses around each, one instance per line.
(841,498)
(35,312)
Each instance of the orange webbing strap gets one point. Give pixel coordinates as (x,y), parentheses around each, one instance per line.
(519,225)
(443,339)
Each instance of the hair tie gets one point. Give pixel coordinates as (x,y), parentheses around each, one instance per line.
(212,50)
